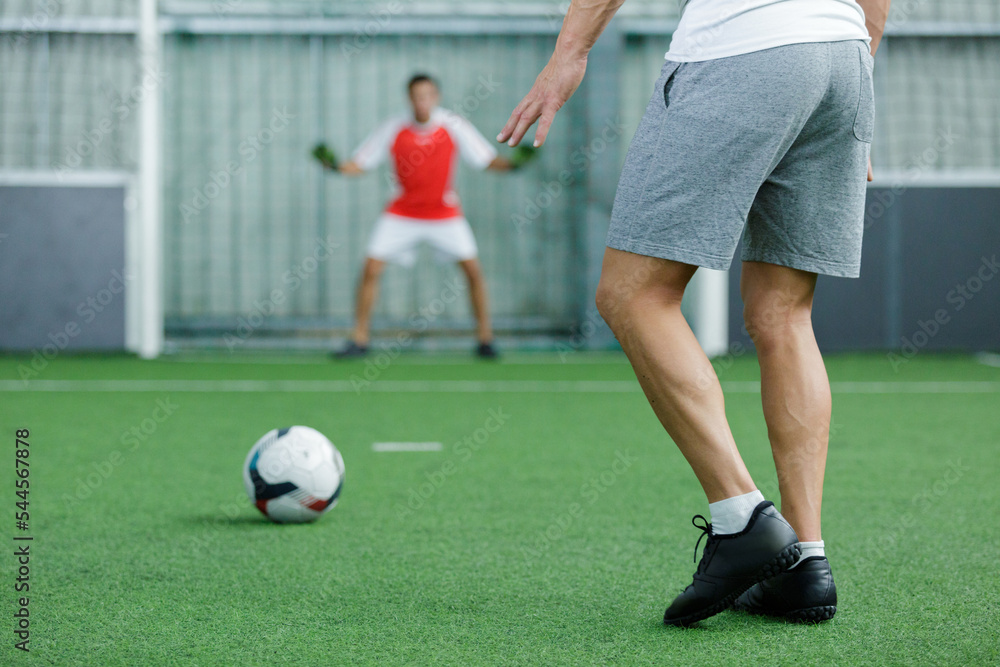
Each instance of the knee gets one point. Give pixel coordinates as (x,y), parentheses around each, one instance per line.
(610,300)
(473,272)
(604,300)
(372,271)
(618,300)
(773,319)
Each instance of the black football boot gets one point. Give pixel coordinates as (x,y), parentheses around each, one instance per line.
(733,563)
(804,594)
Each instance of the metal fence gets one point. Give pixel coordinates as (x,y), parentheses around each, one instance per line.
(248,87)
(247,205)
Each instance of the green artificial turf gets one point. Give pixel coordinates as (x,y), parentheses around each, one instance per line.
(532,547)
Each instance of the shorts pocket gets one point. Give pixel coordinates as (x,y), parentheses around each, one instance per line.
(669,70)
(864,121)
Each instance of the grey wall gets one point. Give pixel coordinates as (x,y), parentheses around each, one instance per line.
(62,258)
(929,277)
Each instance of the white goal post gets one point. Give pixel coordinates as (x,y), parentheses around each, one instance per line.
(149,230)
(707,299)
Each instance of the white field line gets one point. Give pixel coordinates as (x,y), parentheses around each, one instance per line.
(407,446)
(320,386)
(239,360)
(989,359)
(313,360)
(458,386)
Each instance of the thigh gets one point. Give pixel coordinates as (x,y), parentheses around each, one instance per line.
(394,240)
(771,292)
(453,241)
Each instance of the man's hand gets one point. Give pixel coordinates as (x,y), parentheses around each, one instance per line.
(553,87)
(871,174)
(350,169)
(584,22)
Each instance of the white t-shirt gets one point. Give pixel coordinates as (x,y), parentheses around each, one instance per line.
(711,29)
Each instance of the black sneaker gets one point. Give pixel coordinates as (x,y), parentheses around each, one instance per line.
(733,563)
(487,351)
(351,351)
(804,594)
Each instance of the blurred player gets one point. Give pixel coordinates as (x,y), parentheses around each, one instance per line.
(761,120)
(424,146)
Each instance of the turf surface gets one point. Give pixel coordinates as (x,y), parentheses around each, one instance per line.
(558,538)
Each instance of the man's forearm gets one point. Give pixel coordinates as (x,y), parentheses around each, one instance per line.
(584,22)
(500,164)
(876,14)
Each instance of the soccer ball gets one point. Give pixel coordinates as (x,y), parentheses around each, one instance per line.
(293,475)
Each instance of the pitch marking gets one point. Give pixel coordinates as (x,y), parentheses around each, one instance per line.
(989,359)
(458,386)
(407,446)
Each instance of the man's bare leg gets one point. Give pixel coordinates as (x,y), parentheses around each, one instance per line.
(478,298)
(640,299)
(367,293)
(795,390)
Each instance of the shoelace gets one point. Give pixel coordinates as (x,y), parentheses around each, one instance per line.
(706,529)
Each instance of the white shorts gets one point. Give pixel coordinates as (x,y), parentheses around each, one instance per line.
(396,239)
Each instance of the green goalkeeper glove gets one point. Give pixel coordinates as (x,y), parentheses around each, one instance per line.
(325,156)
(523,155)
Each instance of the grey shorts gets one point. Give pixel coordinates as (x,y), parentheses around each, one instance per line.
(773,145)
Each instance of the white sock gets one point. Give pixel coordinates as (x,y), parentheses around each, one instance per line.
(733,514)
(810,549)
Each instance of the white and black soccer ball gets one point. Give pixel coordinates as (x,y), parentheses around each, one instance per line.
(293,475)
